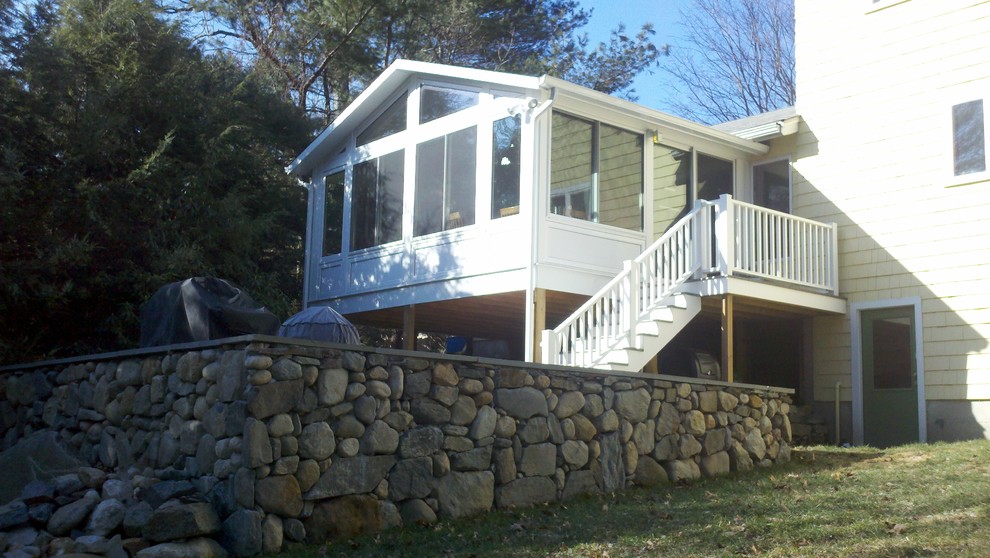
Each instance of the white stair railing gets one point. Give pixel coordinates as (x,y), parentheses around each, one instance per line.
(720,238)
(608,319)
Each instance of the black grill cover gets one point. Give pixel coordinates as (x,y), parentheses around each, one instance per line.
(201,309)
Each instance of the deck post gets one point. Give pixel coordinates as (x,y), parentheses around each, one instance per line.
(539,322)
(409,327)
(727,337)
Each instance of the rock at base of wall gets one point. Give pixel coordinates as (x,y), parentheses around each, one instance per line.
(526,492)
(466,494)
(683,470)
(343,517)
(195,548)
(649,472)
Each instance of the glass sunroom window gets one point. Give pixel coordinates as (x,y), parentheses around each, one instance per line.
(436,102)
(596,172)
(620,182)
(333,215)
(505,166)
(446,181)
(376,201)
(714,177)
(392,121)
(572,147)
(671,186)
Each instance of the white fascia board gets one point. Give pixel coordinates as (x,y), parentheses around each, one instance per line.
(650,117)
(771,130)
(382,87)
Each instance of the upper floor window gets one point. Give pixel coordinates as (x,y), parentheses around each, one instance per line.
(436,102)
(446,180)
(596,172)
(505,166)
(376,201)
(969,150)
(333,216)
(772,185)
(392,121)
(714,177)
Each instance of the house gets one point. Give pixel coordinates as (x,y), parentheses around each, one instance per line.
(811,247)
(891,147)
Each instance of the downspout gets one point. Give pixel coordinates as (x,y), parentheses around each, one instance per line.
(307,263)
(838,416)
(535,225)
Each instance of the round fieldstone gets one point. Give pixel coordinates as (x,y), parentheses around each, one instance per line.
(317,441)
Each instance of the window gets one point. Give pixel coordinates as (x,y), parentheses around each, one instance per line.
(772,185)
(446,181)
(714,177)
(392,121)
(437,102)
(505,166)
(596,172)
(571,170)
(333,214)
(620,182)
(376,201)
(969,151)
(671,186)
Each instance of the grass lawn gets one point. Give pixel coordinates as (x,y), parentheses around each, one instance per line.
(919,500)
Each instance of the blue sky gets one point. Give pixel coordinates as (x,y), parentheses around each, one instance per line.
(665,16)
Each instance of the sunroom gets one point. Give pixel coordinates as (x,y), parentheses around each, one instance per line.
(491,206)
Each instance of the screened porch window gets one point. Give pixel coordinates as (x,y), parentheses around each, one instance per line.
(333,216)
(392,121)
(376,201)
(437,102)
(714,177)
(772,185)
(596,172)
(505,166)
(446,182)
(671,186)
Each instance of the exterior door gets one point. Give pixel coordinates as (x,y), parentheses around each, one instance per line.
(890,377)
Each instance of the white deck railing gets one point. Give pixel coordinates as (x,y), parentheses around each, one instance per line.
(721,238)
(761,242)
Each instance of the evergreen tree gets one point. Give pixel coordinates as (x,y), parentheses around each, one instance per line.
(130,160)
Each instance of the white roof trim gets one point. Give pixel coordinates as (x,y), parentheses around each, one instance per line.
(399,71)
(385,84)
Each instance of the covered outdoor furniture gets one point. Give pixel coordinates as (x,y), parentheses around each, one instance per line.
(201,309)
(320,323)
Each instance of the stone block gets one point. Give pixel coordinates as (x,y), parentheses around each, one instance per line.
(526,492)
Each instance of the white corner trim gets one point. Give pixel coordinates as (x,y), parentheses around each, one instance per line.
(855,332)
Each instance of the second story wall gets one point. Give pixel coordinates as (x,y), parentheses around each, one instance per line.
(892,147)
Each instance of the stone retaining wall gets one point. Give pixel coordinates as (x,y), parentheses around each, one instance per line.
(257,441)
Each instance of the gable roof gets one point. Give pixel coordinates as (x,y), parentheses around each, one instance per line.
(379,91)
(384,86)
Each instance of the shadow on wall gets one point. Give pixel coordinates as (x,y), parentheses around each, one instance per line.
(870,272)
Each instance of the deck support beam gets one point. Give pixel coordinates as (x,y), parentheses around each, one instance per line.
(727,337)
(539,322)
(409,327)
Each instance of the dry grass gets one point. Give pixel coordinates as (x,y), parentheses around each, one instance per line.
(921,500)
